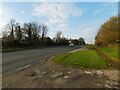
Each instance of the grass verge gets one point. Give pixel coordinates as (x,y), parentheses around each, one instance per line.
(110,55)
(11,49)
(111,52)
(18,49)
(85,59)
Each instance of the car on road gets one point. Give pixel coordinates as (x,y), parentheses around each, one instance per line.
(71,44)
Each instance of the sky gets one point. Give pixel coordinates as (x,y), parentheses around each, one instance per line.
(73,19)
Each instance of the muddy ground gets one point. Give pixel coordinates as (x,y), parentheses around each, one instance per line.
(48,74)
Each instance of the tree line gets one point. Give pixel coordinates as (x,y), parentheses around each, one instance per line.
(108,33)
(30,34)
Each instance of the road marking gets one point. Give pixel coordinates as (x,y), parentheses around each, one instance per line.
(27,66)
(51,57)
(22,68)
(46,59)
(43,60)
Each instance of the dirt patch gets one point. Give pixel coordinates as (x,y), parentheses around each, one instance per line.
(48,74)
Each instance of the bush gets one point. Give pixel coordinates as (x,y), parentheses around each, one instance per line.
(48,42)
(63,42)
(11,44)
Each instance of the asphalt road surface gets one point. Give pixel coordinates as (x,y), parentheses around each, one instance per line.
(11,61)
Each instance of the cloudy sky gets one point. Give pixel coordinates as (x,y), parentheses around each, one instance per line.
(74,19)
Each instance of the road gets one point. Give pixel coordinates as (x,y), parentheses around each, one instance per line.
(11,61)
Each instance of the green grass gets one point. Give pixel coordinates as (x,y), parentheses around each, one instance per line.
(11,49)
(86,59)
(88,46)
(111,52)
(18,49)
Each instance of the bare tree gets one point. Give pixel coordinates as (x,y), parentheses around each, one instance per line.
(44,30)
(27,30)
(4,33)
(33,30)
(36,30)
(11,26)
(18,32)
(58,36)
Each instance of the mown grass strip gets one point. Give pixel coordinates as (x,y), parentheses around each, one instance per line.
(114,62)
(86,59)
(111,52)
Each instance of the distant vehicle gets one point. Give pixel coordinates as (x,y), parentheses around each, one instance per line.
(71,45)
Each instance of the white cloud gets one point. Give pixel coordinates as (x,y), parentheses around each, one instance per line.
(114,12)
(93,23)
(57,15)
(56,12)
(63,25)
(89,34)
(60,0)
(4,14)
(1,9)
(86,30)
(2,24)
(22,11)
(89,30)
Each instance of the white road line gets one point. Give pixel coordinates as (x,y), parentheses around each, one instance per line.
(22,68)
(42,60)
(27,66)
(46,59)
(19,69)
(51,57)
